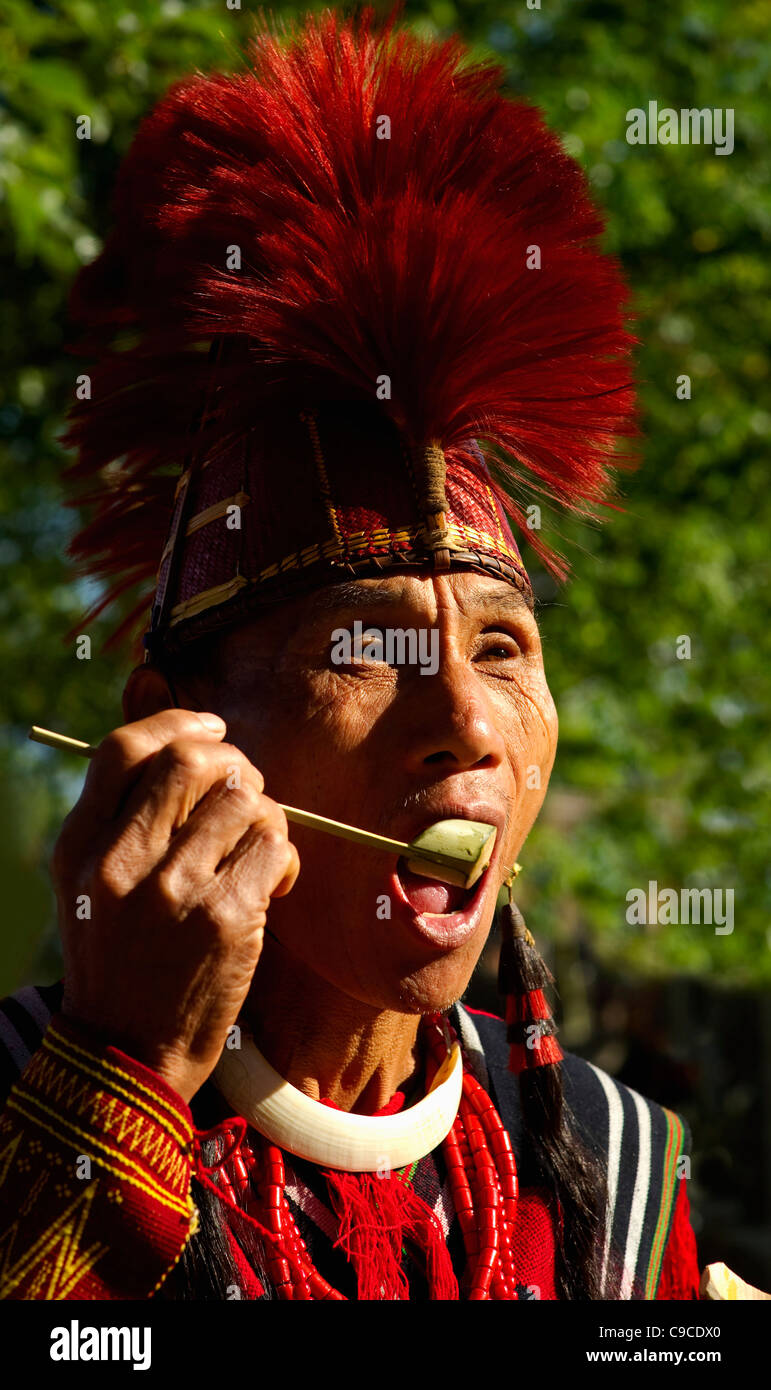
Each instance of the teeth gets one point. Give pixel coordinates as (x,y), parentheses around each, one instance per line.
(431,896)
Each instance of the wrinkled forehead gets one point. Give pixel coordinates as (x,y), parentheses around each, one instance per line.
(418,590)
(396,600)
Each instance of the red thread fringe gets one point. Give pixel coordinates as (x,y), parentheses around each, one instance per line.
(378,1216)
(527,1008)
(526,1058)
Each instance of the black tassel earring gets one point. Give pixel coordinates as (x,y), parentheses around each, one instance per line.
(522,978)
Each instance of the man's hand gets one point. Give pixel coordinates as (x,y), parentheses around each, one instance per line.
(175,853)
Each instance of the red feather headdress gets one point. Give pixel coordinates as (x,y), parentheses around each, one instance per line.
(331,279)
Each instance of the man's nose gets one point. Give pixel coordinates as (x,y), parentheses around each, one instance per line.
(453,722)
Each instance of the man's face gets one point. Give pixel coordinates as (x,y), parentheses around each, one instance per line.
(393,748)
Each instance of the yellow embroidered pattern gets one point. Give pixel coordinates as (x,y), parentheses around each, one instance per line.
(135,1139)
(156,1101)
(144,1184)
(134,1097)
(58,1260)
(459,537)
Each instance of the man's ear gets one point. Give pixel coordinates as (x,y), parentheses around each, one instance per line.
(147,692)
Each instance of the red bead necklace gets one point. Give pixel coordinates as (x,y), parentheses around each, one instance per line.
(482,1174)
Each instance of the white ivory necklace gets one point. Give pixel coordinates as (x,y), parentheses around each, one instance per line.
(334,1138)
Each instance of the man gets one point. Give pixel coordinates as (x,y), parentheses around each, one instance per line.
(258,1080)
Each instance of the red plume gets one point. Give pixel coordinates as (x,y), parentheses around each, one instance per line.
(361,257)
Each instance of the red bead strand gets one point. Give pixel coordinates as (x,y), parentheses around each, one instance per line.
(491,1151)
(482,1177)
(500,1148)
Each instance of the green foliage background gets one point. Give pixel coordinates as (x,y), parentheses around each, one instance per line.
(664,764)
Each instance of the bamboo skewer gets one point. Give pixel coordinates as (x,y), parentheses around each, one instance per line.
(474,841)
(69,745)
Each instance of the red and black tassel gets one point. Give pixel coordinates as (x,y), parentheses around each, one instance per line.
(522,978)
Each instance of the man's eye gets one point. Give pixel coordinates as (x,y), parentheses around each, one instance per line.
(499,646)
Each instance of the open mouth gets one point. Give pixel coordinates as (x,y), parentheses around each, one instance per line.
(428,895)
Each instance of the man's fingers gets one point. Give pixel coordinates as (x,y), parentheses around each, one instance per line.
(230,858)
(214,829)
(263,865)
(171,786)
(115,768)
(123,755)
(267,852)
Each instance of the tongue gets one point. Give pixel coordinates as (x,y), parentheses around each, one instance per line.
(428,895)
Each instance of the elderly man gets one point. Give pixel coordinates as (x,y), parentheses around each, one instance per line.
(256,1079)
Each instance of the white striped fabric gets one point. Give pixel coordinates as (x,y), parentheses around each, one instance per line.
(444,1210)
(640,1194)
(615,1132)
(472,1045)
(307,1202)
